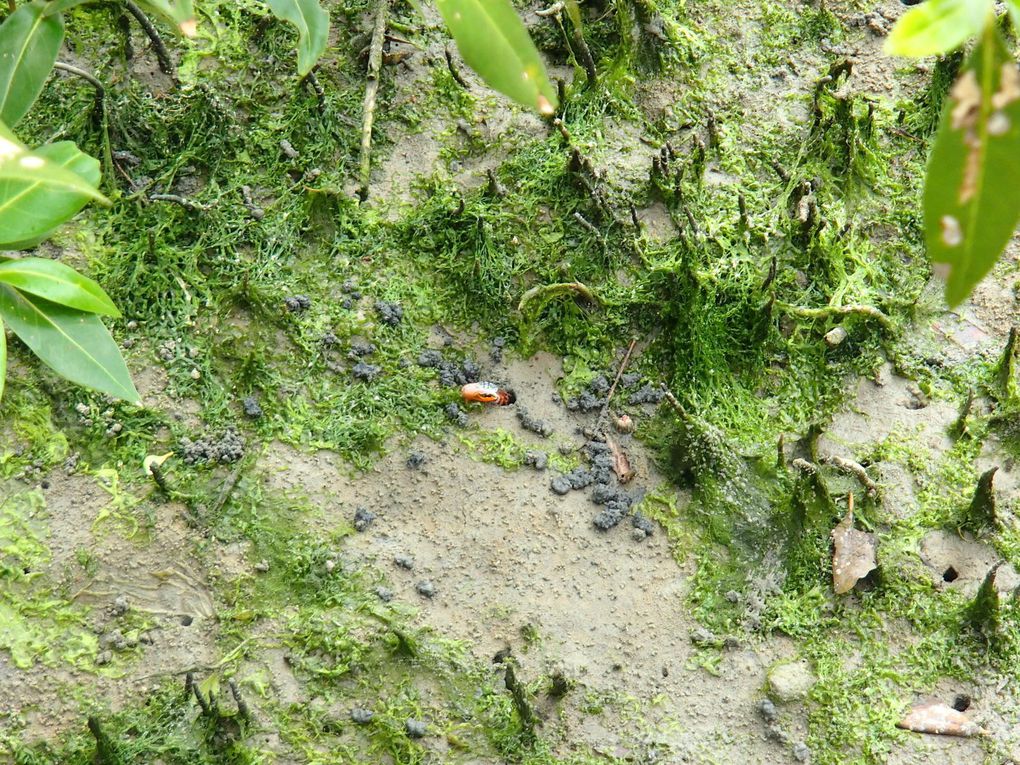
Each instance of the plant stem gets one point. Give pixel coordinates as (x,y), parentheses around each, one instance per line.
(371,90)
(166,64)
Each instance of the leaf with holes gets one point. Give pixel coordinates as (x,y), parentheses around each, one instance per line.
(938,26)
(57,283)
(34,209)
(853,556)
(29,42)
(74,344)
(312,24)
(493,41)
(971,200)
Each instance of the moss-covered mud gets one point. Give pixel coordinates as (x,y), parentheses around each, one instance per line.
(298,354)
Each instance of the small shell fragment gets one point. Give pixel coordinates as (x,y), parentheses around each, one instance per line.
(940,719)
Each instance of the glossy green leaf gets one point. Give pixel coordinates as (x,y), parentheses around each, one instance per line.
(971,197)
(493,41)
(938,26)
(57,283)
(21,171)
(35,210)
(3,358)
(312,24)
(74,344)
(180,12)
(29,42)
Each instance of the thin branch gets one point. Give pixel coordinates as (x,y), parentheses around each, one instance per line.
(166,64)
(371,90)
(601,422)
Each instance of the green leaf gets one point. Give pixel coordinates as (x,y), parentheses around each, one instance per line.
(58,283)
(74,344)
(3,358)
(1014,14)
(29,42)
(22,174)
(34,210)
(493,41)
(938,26)
(971,198)
(312,25)
(180,12)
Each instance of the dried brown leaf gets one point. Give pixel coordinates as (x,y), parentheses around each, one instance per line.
(621,465)
(941,720)
(853,556)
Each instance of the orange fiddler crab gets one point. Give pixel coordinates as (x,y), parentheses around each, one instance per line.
(487,393)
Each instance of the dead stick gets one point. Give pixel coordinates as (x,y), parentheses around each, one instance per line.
(371,89)
(454,71)
(166,64)
(600,424)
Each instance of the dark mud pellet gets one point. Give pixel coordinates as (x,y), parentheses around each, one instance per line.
(297,303)
(416,459)
(472,372)
(557,399)
(360,349)
(611,517)
(251,407)
(404,561)
(456,415)
(104,657)
(639,521)
(363,518)
(767,710)
(329,340)
(536,459)
(560,485)
(647,394)
(426,588)
(229,448)
(385,594)
(415,728)
(630,379)
(347,303)
(349,285)
(389,313)
(496,351)
(533,424)
(599,386)
(366,372)
(801,752)
(362,716)
(430,359)
(120,605)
